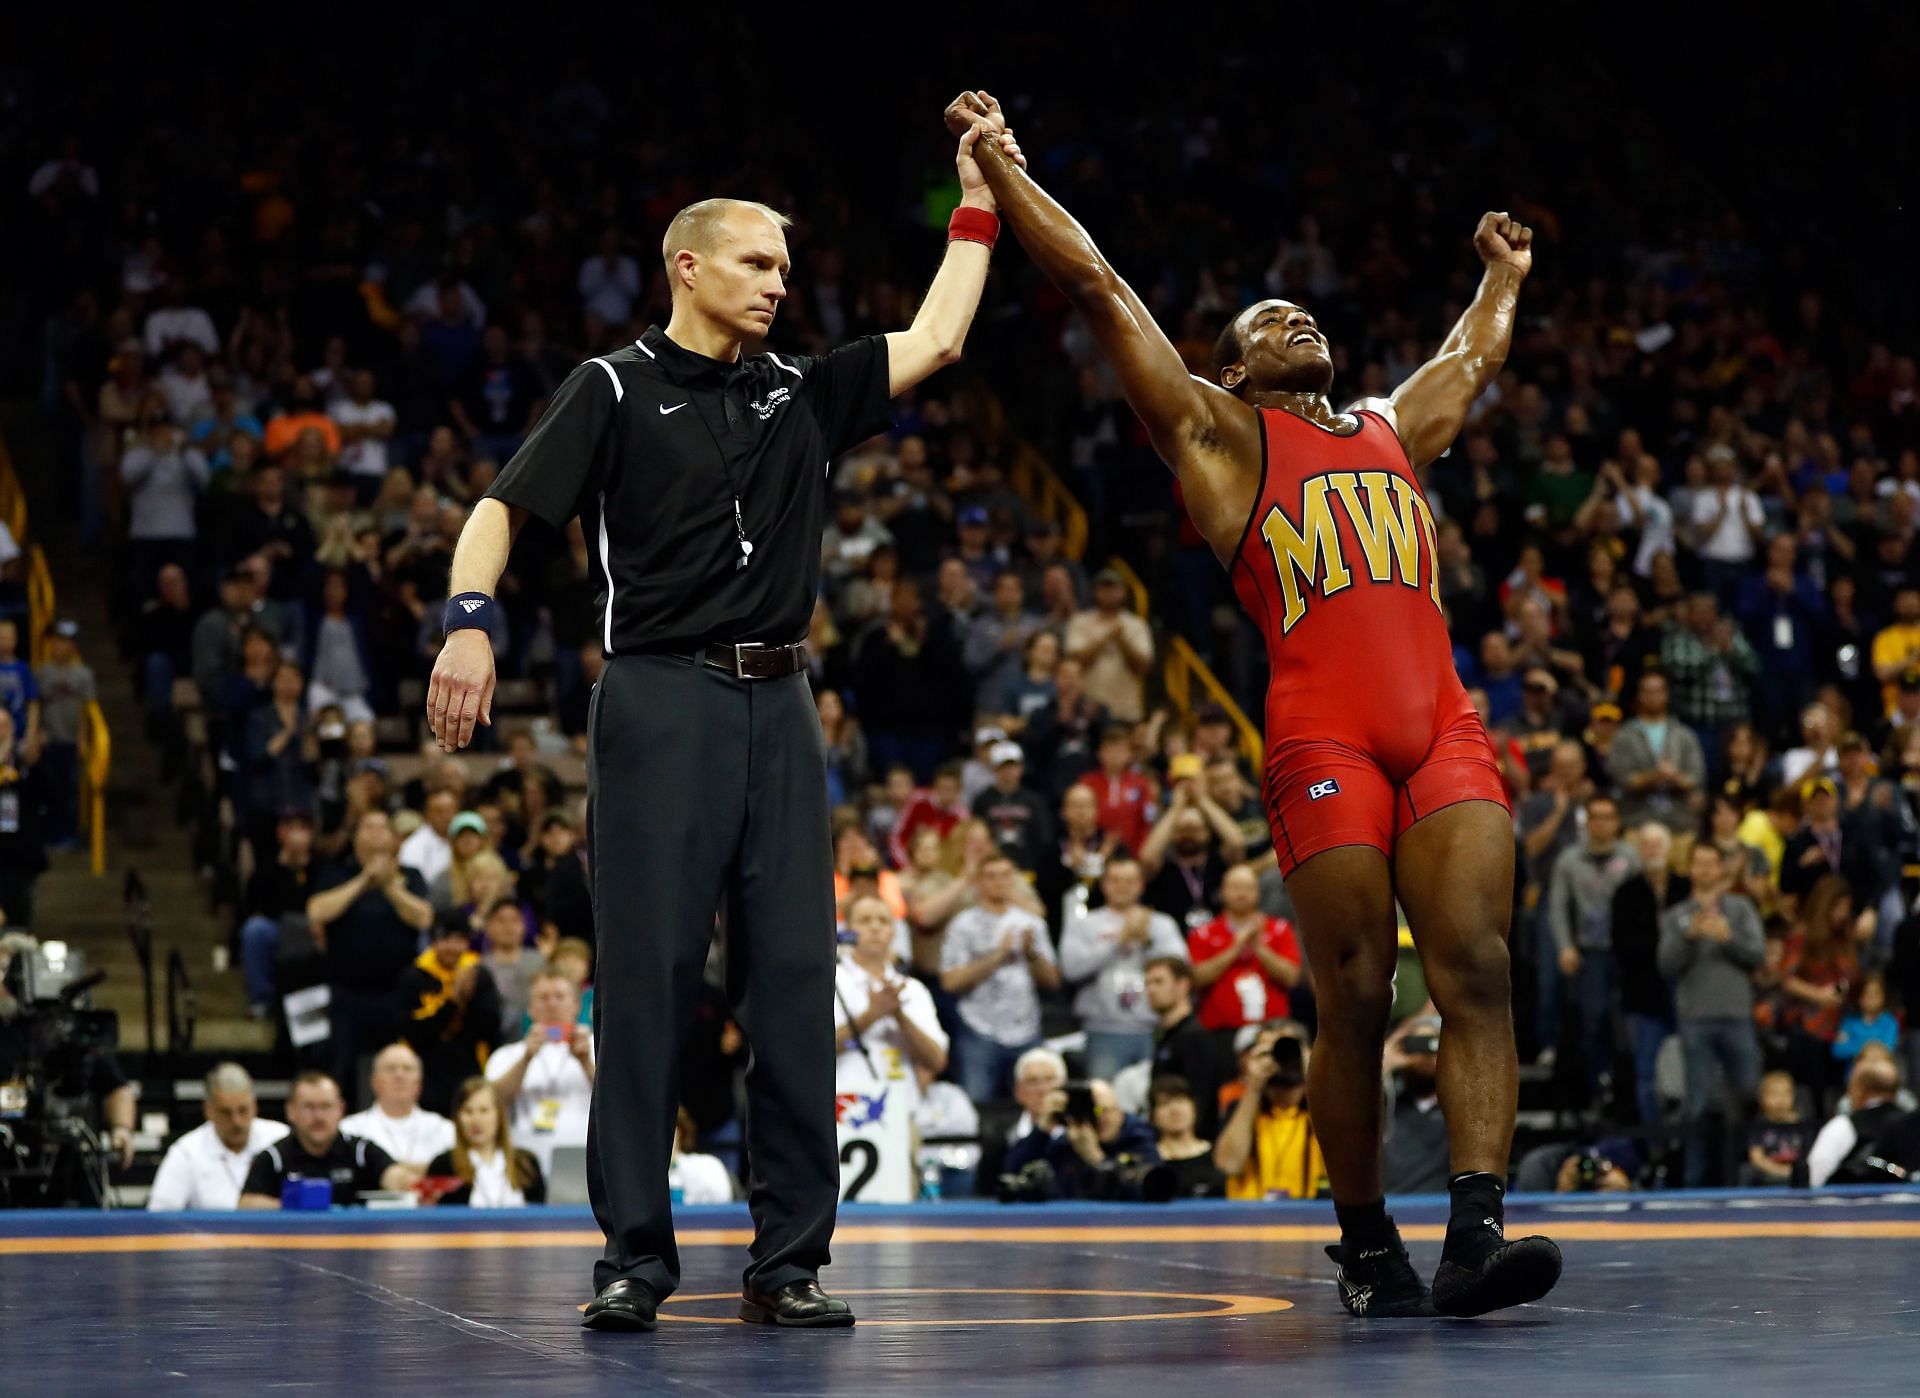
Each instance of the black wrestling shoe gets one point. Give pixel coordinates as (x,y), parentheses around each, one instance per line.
(800,1303)
(1379,1283)
(1511,1275)
(621,1305)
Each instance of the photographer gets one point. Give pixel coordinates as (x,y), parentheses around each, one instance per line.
(1093,1149)
(1268,1149)
(1414,1155)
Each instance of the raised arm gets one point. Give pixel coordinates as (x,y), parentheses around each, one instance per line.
(1199,429)
(939,328)
(1432,406)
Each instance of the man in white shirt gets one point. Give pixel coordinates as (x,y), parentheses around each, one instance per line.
(365,423)
(1729,524)
(1108,949)
(548,1076)
(885,1026)
(205,1168)
(996,959)
(396,1122)
(429,848)
(1872,1089)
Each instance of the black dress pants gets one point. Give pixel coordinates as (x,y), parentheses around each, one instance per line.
(708,793)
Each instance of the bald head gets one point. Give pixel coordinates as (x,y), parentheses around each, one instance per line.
(706,227)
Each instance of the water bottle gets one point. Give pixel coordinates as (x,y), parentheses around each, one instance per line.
(931,1174)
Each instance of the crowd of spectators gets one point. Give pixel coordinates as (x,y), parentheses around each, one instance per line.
(1679,550)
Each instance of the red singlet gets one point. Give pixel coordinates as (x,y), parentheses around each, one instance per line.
(1368,727)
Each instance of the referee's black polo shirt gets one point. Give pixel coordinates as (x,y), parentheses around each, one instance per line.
(651,444)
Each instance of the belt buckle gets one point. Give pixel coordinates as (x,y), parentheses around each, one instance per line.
(741,650)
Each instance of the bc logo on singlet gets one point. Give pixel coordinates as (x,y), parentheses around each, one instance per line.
(1329,787)
(1389,523)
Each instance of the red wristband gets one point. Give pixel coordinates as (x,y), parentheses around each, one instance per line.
(972,225)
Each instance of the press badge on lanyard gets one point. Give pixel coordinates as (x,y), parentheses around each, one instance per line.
(546,1115)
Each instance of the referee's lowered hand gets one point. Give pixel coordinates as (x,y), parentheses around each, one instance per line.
(460,694)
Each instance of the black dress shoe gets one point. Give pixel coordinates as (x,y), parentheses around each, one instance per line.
(801,1303)
(621,1305)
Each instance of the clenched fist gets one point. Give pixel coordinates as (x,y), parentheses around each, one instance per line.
(1501,238)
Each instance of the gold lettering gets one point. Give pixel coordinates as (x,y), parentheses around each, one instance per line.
(1433,548)
(1312,552)
(1385,521)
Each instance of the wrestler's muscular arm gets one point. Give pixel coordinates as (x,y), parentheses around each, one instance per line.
(1209,438)
(1431,406)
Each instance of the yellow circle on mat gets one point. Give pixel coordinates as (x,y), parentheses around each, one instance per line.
(1227,1304)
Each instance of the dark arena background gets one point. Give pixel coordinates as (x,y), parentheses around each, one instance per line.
(283,294)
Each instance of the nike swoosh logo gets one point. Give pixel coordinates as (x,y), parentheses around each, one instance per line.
(665,411)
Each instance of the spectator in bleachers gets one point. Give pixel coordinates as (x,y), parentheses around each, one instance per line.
(1778,1139)
(65,686)
(1820,968)
(280,748)
(19,694)
(510,963)
(1658,761)
(938,807)
(847,771)
(165,639)
(554,881)
(1070,867)
(1106,951)
(450,1006)
(316,1149)
(885,1027)
(1819,848)
(848,545)
(367,915)
(1645,999)
(1267,1147)
(164,477)
(468,839)
(396,1122)
(1246,962)
(339,652)
(1186,1168)
(907,670)
(1182,1047)
(1709,947)
(996,643)
(492,1172)
(1579,907)
(1818,754)
(1189,849)
(573,958)
(1124,794)
(427,850)
(23,854)
(1870,1021)
(303,412)
(1062,737)
(547,1076)
(996,960)
(276,888)
(1116,648)
(1012,810)
(206,1167)
(1711,669)
(497,400)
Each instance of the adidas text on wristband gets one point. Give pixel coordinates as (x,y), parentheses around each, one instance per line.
(470,611)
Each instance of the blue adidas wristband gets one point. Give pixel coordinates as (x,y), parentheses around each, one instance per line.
(470,611)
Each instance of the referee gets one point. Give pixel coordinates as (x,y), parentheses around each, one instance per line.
(698,471)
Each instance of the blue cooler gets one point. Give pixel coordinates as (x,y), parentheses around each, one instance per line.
(307,1194)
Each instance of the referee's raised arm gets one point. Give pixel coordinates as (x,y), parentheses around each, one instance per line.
(939,328)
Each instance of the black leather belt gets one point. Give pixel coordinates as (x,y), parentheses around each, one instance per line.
(751,661)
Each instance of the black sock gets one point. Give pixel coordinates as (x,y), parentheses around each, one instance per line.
(1478,1221)
(1364,1225)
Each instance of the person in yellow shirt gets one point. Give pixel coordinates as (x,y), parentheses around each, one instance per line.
(1267,1148)
(1897,645)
